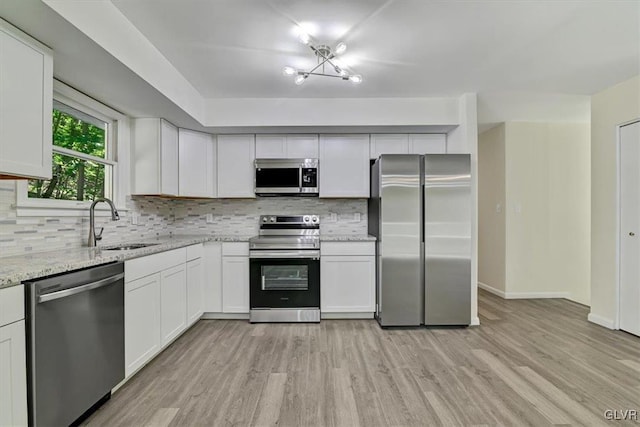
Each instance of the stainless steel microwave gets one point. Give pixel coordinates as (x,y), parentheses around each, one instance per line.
(286,177)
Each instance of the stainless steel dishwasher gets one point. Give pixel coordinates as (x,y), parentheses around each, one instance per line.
(75,342)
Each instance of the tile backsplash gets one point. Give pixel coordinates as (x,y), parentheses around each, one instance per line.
(157,216)
(241,216)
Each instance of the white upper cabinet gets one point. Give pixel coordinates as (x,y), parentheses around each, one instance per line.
(286,146)
(302,146)
(344,166)
(427,143)
(271,146)
(26,104)
(197,164)
(155,157)
(402,143)
(388,144)
(236,170)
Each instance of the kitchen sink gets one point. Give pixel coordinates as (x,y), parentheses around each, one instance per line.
(128,247)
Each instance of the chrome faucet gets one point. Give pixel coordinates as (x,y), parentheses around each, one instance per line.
(93,237)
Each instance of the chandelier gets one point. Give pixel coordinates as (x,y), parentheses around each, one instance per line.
(327,63)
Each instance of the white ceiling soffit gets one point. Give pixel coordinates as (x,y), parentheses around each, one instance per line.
(499,107)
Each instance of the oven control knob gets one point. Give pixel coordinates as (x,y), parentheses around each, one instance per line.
(264,219)
(314,219)
(306,218)
(272,219)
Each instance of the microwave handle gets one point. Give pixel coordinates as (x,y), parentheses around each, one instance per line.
(300,183)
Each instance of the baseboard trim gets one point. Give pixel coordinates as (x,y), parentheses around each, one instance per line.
(536,295)
(475,321)
(599,320)
(225,316)
(523,295)
(491,289)
(364,315)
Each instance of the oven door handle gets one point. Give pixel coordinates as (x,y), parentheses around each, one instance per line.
(284,254)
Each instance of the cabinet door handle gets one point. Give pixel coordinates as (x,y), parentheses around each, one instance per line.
(631,233)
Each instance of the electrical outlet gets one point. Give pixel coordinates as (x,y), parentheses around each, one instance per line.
(209,218)
(357,217)
(134,218)
(333,217)
(498,208)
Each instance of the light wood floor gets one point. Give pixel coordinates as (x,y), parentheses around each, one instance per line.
(531,362)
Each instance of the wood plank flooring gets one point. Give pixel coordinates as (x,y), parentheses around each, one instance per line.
(531,362)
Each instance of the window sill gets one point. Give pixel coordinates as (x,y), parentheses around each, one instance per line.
(27,207)
(40,208)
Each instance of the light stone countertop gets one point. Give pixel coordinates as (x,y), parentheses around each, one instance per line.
(347,238)
(16,269)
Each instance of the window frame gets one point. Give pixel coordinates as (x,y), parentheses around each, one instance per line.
(64,94)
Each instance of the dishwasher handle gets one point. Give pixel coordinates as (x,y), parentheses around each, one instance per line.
(73,291)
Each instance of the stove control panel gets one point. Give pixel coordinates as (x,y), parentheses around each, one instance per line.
(290,220)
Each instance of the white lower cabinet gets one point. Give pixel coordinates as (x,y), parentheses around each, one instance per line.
(142,321)
(212,289)
(235,277)
(13,375)
(163,296)
(347,277)
(173,302)
(195,288)
(235,284)
(13,358)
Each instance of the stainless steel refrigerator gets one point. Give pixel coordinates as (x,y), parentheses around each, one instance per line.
(420,212)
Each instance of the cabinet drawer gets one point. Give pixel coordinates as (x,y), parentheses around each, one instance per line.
(347,248)
(194,252)
(11,304)
(235,249)
(141,267)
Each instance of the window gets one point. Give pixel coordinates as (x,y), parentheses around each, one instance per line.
(88,138)
(81,165)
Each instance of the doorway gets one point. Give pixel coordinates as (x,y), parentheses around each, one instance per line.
(629,308)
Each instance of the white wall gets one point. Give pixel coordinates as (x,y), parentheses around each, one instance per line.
(541,240)
(491,193)
(547,203)
(609,108)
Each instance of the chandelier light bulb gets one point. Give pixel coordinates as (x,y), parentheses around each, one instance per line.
(300,79)
(344,73)
(340,48)
(356,79)
(289,71)
(304,38)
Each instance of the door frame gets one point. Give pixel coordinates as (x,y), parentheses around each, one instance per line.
(616,320)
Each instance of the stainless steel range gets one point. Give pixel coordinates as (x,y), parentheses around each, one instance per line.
(285,269)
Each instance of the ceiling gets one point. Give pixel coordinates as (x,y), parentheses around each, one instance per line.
(527,60)
(403,48)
